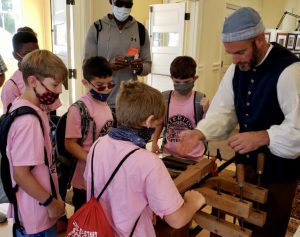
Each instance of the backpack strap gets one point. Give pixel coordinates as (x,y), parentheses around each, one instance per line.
(167,96)
(198,108)
(110,179)
(85,121)
(142,33)
(98,26)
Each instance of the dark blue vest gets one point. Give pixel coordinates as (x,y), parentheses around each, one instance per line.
(257,107)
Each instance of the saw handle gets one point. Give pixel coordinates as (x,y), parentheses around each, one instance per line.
(240,174)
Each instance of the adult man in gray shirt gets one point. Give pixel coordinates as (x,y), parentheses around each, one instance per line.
(115,37)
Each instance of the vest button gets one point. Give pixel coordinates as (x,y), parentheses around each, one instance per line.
(247,115)
(247,156)
(252,81)
(254,69)
(248,103)
(249,92)
(245,125)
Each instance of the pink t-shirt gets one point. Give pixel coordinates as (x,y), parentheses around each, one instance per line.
(141,185)
(102,116)
(25,147)
(14,87)
(181,117)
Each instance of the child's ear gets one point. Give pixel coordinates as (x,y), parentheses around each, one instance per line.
(196,77)
(16,56)
(149,121)
(32,81)
(84,82)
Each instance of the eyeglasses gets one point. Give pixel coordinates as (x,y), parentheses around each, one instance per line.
(101,87)
(123,4)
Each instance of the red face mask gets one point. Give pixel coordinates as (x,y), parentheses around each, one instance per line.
(48,97)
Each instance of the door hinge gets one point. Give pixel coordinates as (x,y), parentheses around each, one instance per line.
(70,2)
(151,9)
(187,16)
(72,73)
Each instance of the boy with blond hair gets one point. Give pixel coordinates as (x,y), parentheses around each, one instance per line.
(185,108)
(142,185)
(29,148)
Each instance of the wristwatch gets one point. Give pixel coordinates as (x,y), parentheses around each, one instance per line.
(47,202)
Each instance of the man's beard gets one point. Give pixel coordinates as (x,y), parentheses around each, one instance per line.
(246,66)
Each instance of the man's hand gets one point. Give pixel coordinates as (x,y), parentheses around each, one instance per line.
(118,62)
(248,141)
(56,208)
(188,140)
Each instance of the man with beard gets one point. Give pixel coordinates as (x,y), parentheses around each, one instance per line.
(123,41)
(260,92)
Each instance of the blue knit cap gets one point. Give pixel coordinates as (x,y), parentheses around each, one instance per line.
(245,23)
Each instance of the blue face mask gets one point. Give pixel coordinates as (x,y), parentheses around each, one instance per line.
(99,96)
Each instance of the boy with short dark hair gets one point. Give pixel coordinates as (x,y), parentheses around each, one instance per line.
(182,112)
(142,185)
(29,148)
(24,42)
(98,82)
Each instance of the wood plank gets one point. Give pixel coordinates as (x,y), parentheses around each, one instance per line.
(192,175)
(220,227)
(229,184)
(226,203)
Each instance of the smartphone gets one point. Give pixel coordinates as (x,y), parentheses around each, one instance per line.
(129,58)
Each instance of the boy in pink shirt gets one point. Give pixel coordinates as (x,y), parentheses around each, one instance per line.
(142,185)
(98,81)
(181,113)
(23,43)
(38,208)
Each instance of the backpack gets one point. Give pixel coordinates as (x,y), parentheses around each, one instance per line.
(8,193)
(90,219)
(198,109)
(141,28)
(66,163)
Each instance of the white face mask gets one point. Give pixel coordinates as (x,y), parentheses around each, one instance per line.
(121,13)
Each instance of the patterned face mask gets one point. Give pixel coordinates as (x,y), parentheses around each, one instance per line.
(48,97)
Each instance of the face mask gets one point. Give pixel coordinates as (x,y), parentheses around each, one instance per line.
(121,13)
(48,97)
(146,133)
(99,96)
(184,88)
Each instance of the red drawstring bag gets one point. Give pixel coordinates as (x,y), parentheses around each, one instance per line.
(90,219)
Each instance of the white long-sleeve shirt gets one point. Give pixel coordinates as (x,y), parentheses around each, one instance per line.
(221,117)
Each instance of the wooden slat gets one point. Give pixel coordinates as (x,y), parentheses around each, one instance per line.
(192,175)
(250,191)
(256,217)
(220,227)
(226,203)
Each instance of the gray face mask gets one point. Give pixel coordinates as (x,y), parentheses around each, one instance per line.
(184,88)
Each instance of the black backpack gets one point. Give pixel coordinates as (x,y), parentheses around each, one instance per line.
(141,28)
(6,121)
(65,162)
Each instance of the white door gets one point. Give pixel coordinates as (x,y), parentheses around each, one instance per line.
(67,41)
(166,36)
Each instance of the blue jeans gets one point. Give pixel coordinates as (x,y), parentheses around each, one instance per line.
(51,232)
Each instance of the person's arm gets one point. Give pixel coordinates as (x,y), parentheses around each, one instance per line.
(9,93)
(145,56)
(285,137)
(193,201)
(75,149)
(73,134)
(155,148)
(90,43)
(29,184)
